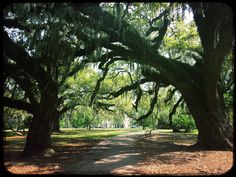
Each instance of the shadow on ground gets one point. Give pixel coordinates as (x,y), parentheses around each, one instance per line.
(117,155)
(122,154)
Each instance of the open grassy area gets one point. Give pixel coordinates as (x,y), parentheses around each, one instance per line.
(68,135)
(73,135)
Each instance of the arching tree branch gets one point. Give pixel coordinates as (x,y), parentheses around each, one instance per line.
(24,61)
(170,95)
(139,95)
(97,87)
(13,23)
(152,104)
(174,110)
(24,82)
(129,87)
(19,104)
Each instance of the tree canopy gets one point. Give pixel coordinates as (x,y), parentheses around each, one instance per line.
(62,55)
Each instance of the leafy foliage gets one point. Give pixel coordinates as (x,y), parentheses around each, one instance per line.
(103,61)
(183,121)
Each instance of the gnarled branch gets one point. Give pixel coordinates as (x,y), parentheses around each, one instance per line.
(26,62)
(129,87)
(19,104)
(23,80)
(170,95)
(174,110)
(139,96)
(152,104)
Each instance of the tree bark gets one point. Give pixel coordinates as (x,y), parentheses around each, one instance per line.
(214,129)
(38,140)
(56,125)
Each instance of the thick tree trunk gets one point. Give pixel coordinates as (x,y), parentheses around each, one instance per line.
(56,125)
(38,140)
(215,130)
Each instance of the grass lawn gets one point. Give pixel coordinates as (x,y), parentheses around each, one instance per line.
(94,135)
(71,134)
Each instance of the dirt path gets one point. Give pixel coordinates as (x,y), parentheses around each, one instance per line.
(160,154)
(117,155)
(164,153)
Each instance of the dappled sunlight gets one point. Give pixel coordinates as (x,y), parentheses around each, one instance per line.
(128,154)
(118,88)
(184,143)
(111,155)
(188,163)
(115,158)
(136,155)
(69,150)
(171,154)
(33,169)
(100,147)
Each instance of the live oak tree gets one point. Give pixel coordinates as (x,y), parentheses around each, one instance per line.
(39,56)
(56,40)
(45,44)
(198,83)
